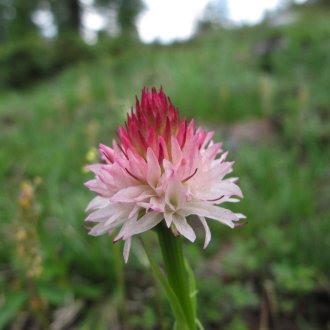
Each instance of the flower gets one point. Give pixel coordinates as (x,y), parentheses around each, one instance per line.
(162,169)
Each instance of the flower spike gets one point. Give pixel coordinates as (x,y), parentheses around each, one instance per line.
(161,169)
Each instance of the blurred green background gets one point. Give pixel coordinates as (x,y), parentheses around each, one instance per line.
(264,89)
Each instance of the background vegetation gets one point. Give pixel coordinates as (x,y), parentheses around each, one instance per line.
(263,89)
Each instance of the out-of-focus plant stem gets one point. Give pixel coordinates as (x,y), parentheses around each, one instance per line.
(119,270)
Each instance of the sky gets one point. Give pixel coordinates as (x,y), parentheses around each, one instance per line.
(176,19)
(165,21)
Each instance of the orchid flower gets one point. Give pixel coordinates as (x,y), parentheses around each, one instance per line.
(161,170)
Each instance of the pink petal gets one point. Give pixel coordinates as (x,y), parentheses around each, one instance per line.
(95,168)
(212,151)
(175,151)
(98,187)
(208,137)
(137,164)
(108,153)
(122,178)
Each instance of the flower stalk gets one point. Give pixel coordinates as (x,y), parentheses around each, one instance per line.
(161,171)
(174,265)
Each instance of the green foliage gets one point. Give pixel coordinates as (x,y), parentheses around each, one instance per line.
(240,296)
(237,324)
(51,130)
(16,19)
(128,11)
(22,63)
(300,279)
(26,62)
(67,15)
(12,305)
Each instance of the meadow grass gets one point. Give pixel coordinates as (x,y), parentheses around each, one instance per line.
(50,131)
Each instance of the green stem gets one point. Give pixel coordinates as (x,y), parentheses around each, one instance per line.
(175,269)
(158,305)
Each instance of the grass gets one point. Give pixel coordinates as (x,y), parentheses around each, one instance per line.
(49,131)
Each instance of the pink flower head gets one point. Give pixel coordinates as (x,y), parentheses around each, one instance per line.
(162,169)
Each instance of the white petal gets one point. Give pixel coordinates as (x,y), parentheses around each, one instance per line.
(229,188)
(134,212)
(219,170)
(168,218)
(156,204)
(211,211)
(231,200)
(116,219)
(175,193)
(148,221)
(219,189)
(127,248)
(98,230)
(123,229)
(153,172)
(131,194)
(97,203)
(183,227)
(108,225)
(223,156)
(207,232)
(168,168)
(99,214)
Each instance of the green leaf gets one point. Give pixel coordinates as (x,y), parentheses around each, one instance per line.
(192,287)
(87,290)
(54,294)
(199,324)
(193,293)
(181,322)
(14,302)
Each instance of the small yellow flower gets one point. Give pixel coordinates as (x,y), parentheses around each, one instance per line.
(92,155)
